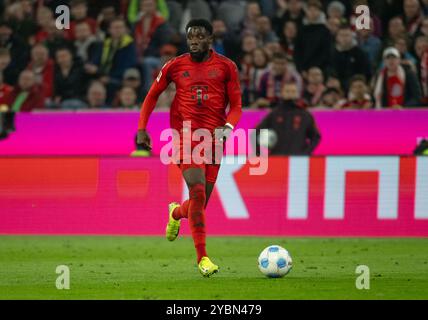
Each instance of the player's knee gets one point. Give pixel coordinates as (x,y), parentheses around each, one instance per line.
(194,176)
(195,181)
(197,192)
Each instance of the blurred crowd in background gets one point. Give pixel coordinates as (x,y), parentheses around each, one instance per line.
(113,50)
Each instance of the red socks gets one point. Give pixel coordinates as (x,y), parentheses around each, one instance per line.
(193,209)
(197,218)
(181,211)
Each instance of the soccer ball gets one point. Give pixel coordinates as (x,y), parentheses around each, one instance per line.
(275,262)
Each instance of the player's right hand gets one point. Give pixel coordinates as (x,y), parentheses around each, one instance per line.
(222,133)
(143,138)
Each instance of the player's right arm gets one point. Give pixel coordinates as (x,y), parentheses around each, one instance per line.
(159,85)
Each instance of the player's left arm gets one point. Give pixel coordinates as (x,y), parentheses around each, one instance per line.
(233,91)
(159,85)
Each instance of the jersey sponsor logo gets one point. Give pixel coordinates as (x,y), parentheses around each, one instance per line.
(199,93)
(397,90)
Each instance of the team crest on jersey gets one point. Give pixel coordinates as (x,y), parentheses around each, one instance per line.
(213,73)
(185,74)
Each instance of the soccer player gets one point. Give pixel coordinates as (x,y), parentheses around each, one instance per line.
(206,83)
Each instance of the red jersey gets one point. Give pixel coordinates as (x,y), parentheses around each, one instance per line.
(203,92)
(395,91)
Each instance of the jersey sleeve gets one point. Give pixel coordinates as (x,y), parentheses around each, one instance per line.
(159,85)
(234,94)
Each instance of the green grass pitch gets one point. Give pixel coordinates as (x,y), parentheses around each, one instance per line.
(153,268)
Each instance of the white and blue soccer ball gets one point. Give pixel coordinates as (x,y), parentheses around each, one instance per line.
(275,262)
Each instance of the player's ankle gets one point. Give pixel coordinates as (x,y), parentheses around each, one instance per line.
(176,214)
(201,252)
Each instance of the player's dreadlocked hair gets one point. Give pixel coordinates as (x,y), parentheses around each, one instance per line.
(200,23)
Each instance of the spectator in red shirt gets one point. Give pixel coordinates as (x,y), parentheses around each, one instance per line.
(27,95)
(43,68)
(147,25)
(150,34)
(396,85)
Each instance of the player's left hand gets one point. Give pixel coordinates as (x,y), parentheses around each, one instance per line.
(143,138)
(222,133)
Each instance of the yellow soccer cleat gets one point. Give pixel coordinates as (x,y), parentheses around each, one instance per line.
(206,267)
(173,226)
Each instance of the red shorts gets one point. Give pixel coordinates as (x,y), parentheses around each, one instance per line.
(198,154)
(211,170)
